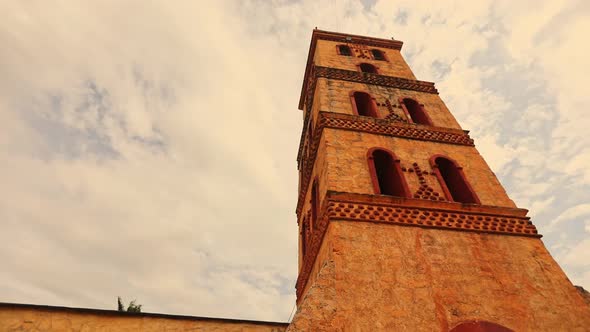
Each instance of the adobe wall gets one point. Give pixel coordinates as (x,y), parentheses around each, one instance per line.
(393,278)
(43,318)
(348,170)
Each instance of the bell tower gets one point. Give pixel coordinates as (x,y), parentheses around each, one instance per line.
(403,226)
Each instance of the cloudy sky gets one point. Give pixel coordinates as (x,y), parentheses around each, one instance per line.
(148,148)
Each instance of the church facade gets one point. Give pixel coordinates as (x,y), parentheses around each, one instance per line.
(402,224)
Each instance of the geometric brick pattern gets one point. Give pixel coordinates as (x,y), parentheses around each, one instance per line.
(425,191)
(398,212)
(373,79)
(393,128)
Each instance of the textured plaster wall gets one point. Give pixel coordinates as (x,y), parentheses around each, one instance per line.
(348,169)
(392,278)
(41,320)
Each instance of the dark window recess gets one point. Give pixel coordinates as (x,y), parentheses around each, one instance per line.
(315,202)
(368,68)
(344,50)
(364,104)
(455,182)
(378,55)
(304,236)
(416,112)
(388,175)
(480,326)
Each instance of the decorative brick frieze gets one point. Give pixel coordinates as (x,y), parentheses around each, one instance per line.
(414,213)
(373,79)
(359,40)
(394,128)
(374,126)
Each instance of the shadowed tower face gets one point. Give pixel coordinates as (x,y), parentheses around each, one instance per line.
(403,226)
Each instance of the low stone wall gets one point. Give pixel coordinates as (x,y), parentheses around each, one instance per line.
(26,317)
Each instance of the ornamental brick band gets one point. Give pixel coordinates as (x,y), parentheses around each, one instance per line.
(394,128)
(374,126)
(416,213)
(373,79)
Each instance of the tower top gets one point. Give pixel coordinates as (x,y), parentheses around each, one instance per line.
(345,38)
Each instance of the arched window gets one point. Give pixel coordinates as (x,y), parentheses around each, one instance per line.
(386,174)
(363,104)
(480,326)
(415,111)
(378,55)
(344,50)
(452,180)
(368,68)
(304,236)
(315,204)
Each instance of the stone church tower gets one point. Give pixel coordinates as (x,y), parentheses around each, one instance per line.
(403,225)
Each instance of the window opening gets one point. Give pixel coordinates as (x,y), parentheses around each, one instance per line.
(368,68)
(344,50)
(387,174)
(416,112)
(378,55)
(364,104)
(454,181)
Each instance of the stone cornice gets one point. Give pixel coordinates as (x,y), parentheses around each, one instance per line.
(349,207)
(374,126)
(345,38)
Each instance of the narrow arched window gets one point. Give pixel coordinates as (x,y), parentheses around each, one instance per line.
(480,326)
(377,54)
(453,182)
(415,111)
(315,204)
(363,104)
(304,236)
(368,68)
(386,174)
(344,50)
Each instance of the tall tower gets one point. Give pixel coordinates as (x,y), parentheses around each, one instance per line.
(403,225)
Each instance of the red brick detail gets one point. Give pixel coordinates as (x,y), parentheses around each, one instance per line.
(413,213)
(392,116)
(425,191)
(373,79)
(394,128)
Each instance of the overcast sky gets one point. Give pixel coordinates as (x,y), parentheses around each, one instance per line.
(148,147)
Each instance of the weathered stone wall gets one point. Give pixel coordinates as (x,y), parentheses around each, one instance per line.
(25,318)
(391,278)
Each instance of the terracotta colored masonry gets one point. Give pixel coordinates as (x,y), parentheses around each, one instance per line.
(414,213)
(375,126)
(353,76)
